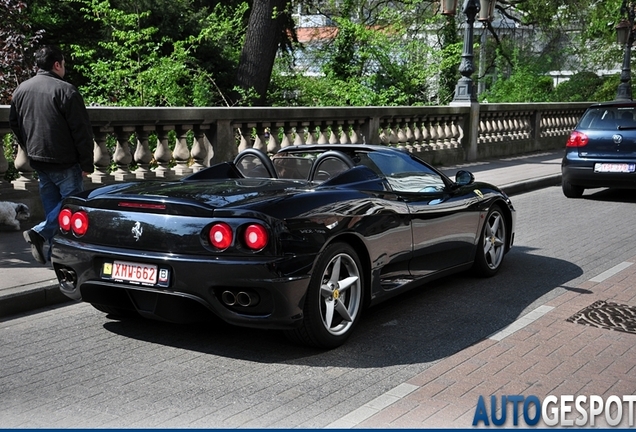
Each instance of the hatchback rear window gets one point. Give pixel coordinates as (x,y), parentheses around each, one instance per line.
(608,118)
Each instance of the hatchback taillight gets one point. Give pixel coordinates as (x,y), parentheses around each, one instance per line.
(577,139)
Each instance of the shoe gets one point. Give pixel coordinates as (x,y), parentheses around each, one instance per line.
(37,245)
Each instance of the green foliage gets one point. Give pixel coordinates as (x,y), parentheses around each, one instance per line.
(384,61)
(18,40)
(581,87)
(527,81)
(10,148)
(187,52)
(130,67)
(607,90)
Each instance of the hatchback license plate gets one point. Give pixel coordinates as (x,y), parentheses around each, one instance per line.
(614,167)
(130,272)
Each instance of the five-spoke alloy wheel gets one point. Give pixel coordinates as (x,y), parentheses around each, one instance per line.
(492,244)
(334,299)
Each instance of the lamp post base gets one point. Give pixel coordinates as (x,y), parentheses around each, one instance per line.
(465,91)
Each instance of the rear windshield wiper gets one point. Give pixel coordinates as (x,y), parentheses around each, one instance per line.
(626,127)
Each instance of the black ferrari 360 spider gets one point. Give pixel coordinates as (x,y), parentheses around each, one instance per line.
(303,242)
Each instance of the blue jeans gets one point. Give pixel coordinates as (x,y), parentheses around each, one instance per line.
(55,185)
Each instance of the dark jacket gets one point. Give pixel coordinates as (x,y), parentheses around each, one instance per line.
(51,123)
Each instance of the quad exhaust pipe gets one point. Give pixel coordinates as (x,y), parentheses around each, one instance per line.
(240,298)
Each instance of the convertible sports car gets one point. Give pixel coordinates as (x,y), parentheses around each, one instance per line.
(304,241)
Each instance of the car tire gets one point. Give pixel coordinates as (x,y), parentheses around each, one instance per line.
(572,191)
(333,304)
(491,248)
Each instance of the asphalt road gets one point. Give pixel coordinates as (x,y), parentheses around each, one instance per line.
(72,367)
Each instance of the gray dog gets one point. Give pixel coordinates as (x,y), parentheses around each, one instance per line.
(12,213)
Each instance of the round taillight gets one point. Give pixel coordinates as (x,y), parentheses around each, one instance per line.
(79,223)
(577,139)
(221,236)
(256,237)
(64,219)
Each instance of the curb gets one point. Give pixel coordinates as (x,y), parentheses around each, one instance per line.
(531,185)
(26,298)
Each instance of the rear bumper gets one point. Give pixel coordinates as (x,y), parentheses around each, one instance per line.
(196,285)
(580,172)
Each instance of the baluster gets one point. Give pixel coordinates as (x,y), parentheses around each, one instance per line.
(101,156)
(123,156)
(426,134)
(417,136)
(25,181)
(393,136)
(322,135)
(333,135)
(551,124)
(272,143)
(245,133)
(262,135)
(181,153)
(505,128)
(384,134)
(344,136)
(439,142)
(200,148)
(143,155)
(288,135)
(490,128)
(447,133)
(499,129)
(311,134)
(409,136)
(481,135)
(434,140)
(163,155)
(454,132)
(400,135)
(299,133)
(355,133)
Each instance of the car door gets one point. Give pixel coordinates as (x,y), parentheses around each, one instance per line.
(444,222)
(444,226)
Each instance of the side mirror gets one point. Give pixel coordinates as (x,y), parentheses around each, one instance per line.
(463,178)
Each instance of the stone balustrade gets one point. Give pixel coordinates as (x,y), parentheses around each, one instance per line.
(170,143)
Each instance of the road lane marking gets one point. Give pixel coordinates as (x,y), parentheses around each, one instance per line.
(520,323)
(357,416)
(611,272)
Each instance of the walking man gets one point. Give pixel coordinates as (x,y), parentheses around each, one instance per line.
(51,124)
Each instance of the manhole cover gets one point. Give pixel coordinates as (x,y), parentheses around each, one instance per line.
(607,315)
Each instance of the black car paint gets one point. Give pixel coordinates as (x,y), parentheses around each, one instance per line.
(356,207)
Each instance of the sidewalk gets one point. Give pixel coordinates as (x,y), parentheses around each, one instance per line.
(581,343)
(26,285)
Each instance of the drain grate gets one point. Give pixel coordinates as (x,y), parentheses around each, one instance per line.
(607,315)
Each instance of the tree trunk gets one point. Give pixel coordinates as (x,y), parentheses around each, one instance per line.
(259,51)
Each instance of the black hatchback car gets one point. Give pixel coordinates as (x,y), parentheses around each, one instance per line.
(601,150)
